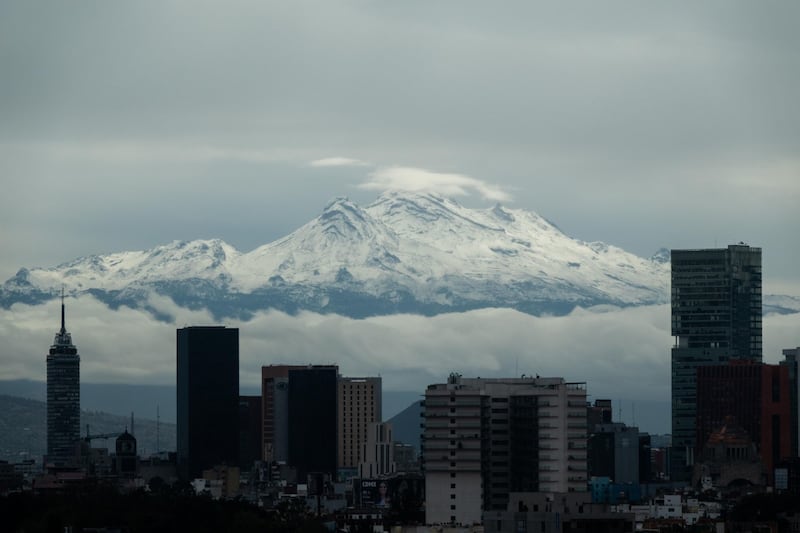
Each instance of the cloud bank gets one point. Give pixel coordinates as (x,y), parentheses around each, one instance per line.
(622,354)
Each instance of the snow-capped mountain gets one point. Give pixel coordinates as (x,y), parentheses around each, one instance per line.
(405,252)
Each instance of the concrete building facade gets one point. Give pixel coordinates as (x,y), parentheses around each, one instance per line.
(378,452)
(359,405)
(716,317)
(614,452)
(484,438)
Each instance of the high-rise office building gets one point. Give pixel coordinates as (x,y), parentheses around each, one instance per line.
(275,412)
(359,406)
(208,398)
(63,398)
(716,317)
(486,438)
(312,416)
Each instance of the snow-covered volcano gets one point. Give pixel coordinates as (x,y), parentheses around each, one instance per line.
(405,252)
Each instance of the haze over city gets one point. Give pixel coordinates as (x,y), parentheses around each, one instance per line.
(127,126)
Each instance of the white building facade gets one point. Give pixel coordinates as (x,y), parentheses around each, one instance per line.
(485,438)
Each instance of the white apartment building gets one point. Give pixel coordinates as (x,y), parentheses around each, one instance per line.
(378,455)
(485,438)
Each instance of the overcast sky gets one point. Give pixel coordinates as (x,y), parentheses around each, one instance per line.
(124,125)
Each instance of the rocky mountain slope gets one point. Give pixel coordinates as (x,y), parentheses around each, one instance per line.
(405,252)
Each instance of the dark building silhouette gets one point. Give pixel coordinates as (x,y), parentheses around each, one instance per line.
(208,398)
(250,428)
(599,413)
(790,361)
(126,459)
(313,420)
(754,394)
(716,317)
(63,398)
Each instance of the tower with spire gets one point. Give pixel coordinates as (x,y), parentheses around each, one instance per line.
(63,398)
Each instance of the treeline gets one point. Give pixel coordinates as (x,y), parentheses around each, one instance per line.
(167,509)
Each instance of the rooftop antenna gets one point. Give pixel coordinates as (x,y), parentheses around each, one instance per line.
(158,419)
(63,328)
(132,432)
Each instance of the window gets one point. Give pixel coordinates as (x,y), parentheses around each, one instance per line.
(453,507)
(452,496)
(452,485)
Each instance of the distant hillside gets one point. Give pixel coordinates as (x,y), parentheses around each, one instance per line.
(145,400)
(406,425)
(23,430)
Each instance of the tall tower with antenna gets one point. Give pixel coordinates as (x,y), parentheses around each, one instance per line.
(63,397)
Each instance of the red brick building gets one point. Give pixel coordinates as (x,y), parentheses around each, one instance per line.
(757,395)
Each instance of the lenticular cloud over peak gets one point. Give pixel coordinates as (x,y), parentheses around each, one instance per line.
(412,179)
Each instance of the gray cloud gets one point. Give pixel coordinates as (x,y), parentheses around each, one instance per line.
(338,161)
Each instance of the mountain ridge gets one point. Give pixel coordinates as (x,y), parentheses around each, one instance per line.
(403,253)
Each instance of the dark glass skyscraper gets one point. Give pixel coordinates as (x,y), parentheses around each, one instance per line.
(312,419)
(208,398)
(63,398)
(716,317)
